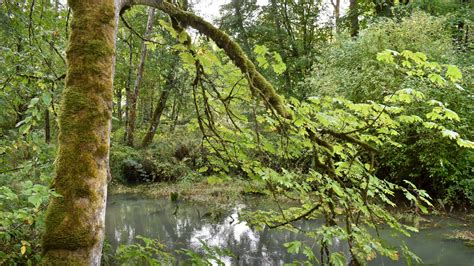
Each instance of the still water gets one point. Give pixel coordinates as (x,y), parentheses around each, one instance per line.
(185,224)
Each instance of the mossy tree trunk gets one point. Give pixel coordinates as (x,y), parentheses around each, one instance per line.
(75,222)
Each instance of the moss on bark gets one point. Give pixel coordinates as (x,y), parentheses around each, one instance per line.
(75,221)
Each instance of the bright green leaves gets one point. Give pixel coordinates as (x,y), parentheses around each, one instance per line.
(405,96)
(152,252)
(169,28)
(442,113)
(465,143)
(260,50)
(278,66)
(418,58)
(387,56)
(453,73)
(187,58)
(265,59)
(450,134)
(33,116)
(20,215)
(436,79)
(417,64)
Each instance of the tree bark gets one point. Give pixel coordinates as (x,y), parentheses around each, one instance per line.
(160,107)
(337,13)
(128,85)
(354,17)
(132,116)
(47,126)
(384,7)
(75,221)
(119,104)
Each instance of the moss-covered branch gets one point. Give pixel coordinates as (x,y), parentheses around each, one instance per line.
(230,47)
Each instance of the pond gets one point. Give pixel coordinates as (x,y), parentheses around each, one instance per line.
(185,224)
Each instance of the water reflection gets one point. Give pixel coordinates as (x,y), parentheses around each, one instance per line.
(131,215)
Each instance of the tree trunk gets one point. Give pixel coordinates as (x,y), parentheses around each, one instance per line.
(119,104)
(174,113)
(132,116)
(75,221)
(336,4)
(156,118)
(47,126)
(354,17)
(128,93)
(384,7)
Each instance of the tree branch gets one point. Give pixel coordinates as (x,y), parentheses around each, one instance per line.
(230,47)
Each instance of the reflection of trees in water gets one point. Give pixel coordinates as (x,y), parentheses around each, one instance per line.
(128,217)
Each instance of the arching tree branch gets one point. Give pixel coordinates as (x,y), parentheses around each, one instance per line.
(230,47)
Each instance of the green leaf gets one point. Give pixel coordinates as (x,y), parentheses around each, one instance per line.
(337,259)
(450,134)
(187,58)
(451,115)
(33,102)
(453,73)
(386,57)
(437,79)
(202,169)
(260,49)
(465,143)
(36,200)
(293,247)
(183,36)
(278,67)
(46,98)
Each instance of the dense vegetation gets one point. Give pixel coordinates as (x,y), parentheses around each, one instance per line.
(349,113)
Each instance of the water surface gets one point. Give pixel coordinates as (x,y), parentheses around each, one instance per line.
(184,224)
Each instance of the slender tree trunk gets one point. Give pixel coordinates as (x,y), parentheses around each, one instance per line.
(47,126)
(119,104)
(128,93)
(337,13)
(174,113)
(132,116)
(160,107)
(156,118)
(354,17)
(75,221)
